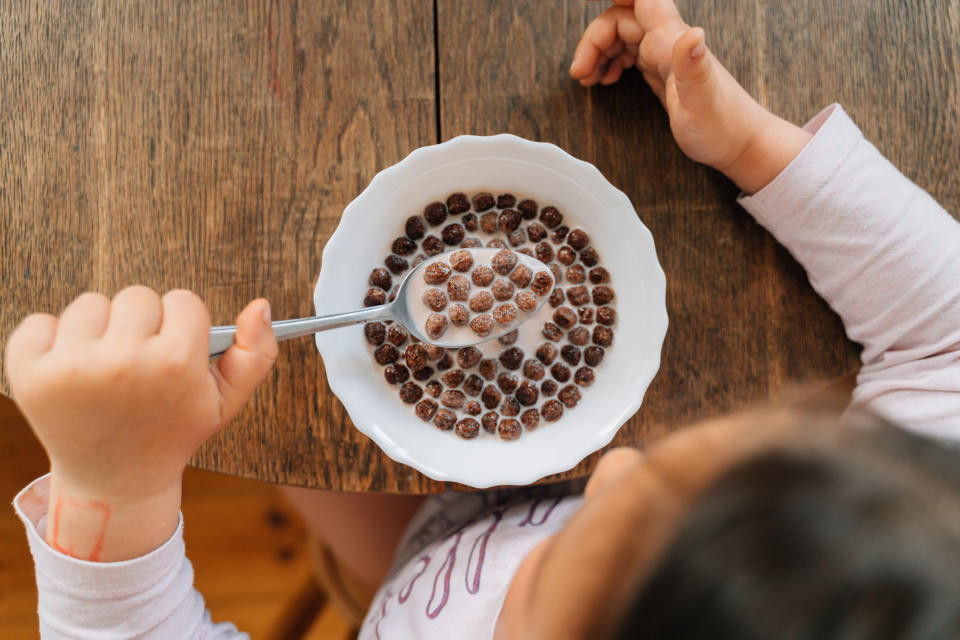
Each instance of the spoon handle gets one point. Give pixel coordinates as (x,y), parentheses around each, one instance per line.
(222,337)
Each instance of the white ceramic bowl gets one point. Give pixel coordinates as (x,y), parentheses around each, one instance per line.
(502,163)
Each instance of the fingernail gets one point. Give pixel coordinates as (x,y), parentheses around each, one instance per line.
(698,49)
(266,313)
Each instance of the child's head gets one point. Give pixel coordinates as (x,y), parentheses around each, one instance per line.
(782,523)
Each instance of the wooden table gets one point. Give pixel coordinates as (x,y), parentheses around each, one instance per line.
(213,146)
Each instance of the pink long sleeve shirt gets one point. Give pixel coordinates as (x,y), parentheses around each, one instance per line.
(880,250)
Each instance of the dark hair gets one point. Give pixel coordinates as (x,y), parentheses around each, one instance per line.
(851,540)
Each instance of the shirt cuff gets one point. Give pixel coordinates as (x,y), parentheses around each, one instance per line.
(835,136)
(69,574)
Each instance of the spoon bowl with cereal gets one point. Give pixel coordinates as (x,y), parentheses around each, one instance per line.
(454,299)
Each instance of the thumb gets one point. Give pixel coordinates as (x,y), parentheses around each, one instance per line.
(693,71)
(241,368)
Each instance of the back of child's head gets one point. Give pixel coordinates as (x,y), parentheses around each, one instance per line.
(855,536)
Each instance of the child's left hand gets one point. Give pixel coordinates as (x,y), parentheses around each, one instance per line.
(121,394)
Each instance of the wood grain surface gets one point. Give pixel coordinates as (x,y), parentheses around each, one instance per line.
(213,146)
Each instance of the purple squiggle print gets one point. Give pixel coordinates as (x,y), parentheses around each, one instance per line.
(533,508)
(407,588)
(474,586)
(383,612)
(448,563)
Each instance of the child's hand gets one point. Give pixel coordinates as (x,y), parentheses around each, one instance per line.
(713,119)
(121,394)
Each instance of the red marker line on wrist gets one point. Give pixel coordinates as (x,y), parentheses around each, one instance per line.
(79,507)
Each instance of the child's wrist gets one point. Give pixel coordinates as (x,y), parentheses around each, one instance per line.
(772,145)
(108,527)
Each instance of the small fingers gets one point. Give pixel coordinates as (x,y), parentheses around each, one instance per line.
(615,69)
(243,366)
(612,30)
(136,314)
(84,319)
(29,341)
(693,70)
(186,322)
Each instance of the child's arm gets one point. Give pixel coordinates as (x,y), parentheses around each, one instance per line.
(121,394)
(875,246)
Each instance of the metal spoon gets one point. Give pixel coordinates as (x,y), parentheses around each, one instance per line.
(407,308)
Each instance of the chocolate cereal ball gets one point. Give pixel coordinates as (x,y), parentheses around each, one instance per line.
(496,243)
(380,277)
(585,314)
(483,201)
(602,294)
(458,288)
(468,357)
(481,302)
(445,419)
(502,289)
(404,246)
(453,378)
(533,369)
(472,408)
(468,428)
(509,429)
(556,298)
(458,203)
(547,353)
(414,228)
(548,388)
(375,333)
(527,393)
(551,411)
(530,419)
(526,301)
(471,242)
(560,372)
(512,358)
(592,355)
(452,398)
(541,283)
(528,208)
(550,217)
(433,351)
(599,275)
(565,317)
(489,421)
(385,354)
(602,335)
(488,368)
(509,338)
(396,264)
(570,354)
(435,213)
(453,234)
(589,257)
(425,409)
(505,314)
(583,376)
(578,295)
(458,315)
(543,252)
(521,276)
(507,383)
(509,220)
(516,238)
(435,299)
(397,335)
(536,232)
(461,260)
(436,272)
(410,392)
(510,407)
(432,245)
(435,325)
(506,200)
(396,373)
(473,385)
(578,239)
(504,261)
(566,255)
(488,222)
(559,234)
(482,325)
(576,274)
(525,251)
(490,397)
(423,373)
(552,332)
(469,221)
(482,276)
(606,316)
(416,356)
(374,297)
(579,336)
(569,395)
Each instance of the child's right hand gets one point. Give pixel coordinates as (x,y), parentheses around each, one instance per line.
(121,393)
(713,119)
